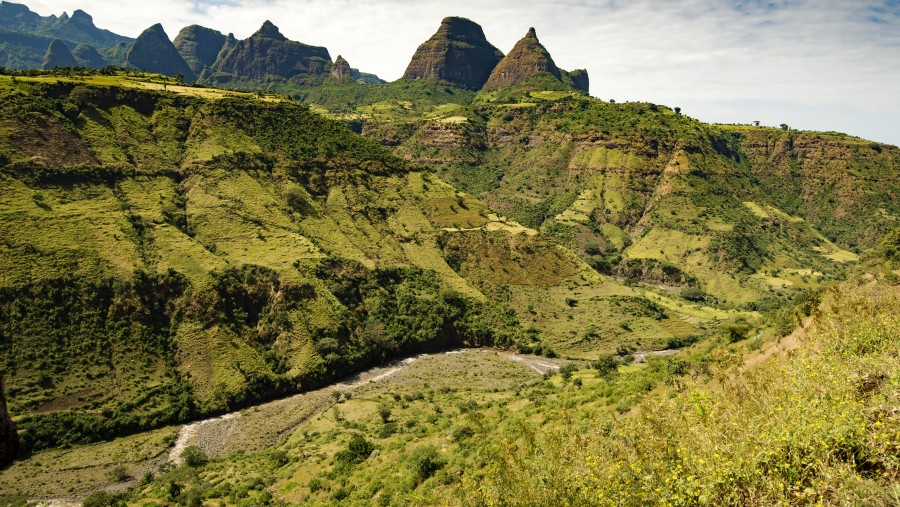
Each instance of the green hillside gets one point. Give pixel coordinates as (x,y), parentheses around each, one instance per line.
(175,251)
(167,255)
(639,191)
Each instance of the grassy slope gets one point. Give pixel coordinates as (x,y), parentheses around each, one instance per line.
(216,248)
(156,265)
(721,425)
(643,192)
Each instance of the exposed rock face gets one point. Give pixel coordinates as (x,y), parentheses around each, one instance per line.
(341,69)
(580,80)
(154,52)
(527,58)
(9,439)
(199,46)
(457,54)
(268,55)
(87,56)
(58,55)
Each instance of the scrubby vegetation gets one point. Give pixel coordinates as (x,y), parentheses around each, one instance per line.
(172,252)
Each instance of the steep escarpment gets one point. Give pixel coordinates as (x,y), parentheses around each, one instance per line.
(9,439)
(268,55)
(526,59)
(58,55)
(167,256)
(458,54)
(199,46)
(637,190)
(844,186)
(154,52)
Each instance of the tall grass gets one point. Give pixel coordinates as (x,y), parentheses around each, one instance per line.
(820,426)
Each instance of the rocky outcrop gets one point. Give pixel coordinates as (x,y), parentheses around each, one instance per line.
(269,55)
(154,52)
(9,439)
(199,46)
(341,69)
(527,58)
(580,80)
(87,56)
(58,55)
(457,54)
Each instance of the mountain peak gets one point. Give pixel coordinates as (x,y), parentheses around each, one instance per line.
(58,55)
(154,52)
(341,68)
(458,54)
(269,31)
(527,58)
(268,55)
(199,46)
(82,18)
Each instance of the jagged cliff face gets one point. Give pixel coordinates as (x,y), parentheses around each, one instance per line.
(842,185)
(527,58)
(9,439)
(87,56)
(154,52)
(341,69)
(58,55)
(268,55)
(199,46)
(580,80)
(457,54)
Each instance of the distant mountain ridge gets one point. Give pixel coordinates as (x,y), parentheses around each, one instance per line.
(458,54)
(25,37)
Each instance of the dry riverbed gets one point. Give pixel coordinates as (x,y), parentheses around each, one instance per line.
(61,477)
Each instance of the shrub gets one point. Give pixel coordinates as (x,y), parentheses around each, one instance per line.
(103,499)
(118,473)
(606,365)
(424,462)
(194,457)
(567,370)
(693,294)
(357,451)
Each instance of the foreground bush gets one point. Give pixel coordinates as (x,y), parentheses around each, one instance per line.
(820,426)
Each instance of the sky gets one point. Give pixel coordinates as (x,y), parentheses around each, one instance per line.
(829,65)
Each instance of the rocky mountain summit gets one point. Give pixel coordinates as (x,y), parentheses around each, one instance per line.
(58,55)
(88,56)
(154,52)
(269,55)
(458,54)
(341,69)
(528,58)
(199,46)
(9,439)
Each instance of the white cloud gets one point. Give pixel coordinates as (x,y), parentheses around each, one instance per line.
(814,64)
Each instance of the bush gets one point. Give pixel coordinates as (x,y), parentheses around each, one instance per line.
(118,473)
(693,294)
(567,371)
(194,457)
(357,451)
(387,429)
(424,462)
(606,365)
(103,499)
(384,412)
(462,433)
